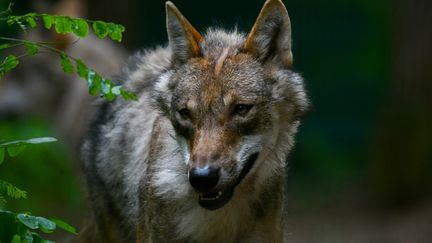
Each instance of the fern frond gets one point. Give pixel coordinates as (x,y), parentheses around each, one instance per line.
(11,191)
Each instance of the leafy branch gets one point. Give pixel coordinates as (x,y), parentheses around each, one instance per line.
(14,148)
(66,25)
(11,191)
(22,227)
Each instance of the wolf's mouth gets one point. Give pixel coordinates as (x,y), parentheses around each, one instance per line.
(216,200)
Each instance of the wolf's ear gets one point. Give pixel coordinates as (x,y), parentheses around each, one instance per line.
(270,37)
(183,38)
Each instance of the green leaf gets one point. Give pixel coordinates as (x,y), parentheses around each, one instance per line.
(31,20)
(105,86)
(4,46)
(100,29)
(106,89)
(63,225)
(28,237)
(48,20)
(37,238)
(10,20)
(2,155)
(115,31)
(127,95)
(83,70)
(16,239)
(11,191)
(46,225)
(116,90)
(63,25)
(94,83)
(41,140)
(16,143)
(16,150)
(32,48)
(80,28)
(2,201)
(47,241)
(28,220)
(9,63)
(66,64)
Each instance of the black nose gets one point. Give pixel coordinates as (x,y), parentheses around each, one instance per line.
(204,179)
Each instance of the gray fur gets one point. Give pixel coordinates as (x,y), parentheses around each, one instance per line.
(137,165)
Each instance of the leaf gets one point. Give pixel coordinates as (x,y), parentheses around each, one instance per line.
(106,89)
(83,70)
(28,237)
(16,143)
(9,63)
(47,241)
(66,64)
(16,150)
(80,28)
(48,20)
(2,155)
(11,191)
(63,225)
(100,29)
(28,220)
(116,90)
(37,238)
(115,31)
(41,140)
(63,25)
(2,201)
(16,239)
(31,20)
(127,95)
(46,225)
(32,48)
(12,20)
(4,46)
(95,85)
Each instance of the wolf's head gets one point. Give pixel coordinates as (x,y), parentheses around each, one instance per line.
(233,100)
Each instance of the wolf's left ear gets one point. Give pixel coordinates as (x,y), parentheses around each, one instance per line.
(270,37)
(183,38)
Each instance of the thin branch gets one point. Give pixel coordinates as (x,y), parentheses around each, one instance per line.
(12,39)
(8,10)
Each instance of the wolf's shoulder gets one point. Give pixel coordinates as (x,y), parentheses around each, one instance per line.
(144,67)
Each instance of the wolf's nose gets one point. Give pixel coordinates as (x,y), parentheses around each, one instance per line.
(204,179)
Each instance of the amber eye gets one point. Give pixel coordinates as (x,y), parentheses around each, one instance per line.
(184,113)
(242,109)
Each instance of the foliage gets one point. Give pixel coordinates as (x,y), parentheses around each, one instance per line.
(20,227)
(66,25)
(23,227)
(14,148)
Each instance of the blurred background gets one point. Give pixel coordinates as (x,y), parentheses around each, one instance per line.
(361,170)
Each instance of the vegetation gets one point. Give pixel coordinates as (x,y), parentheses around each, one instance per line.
(24,227)
(64,25)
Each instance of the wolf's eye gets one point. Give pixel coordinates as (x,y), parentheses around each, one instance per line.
(184,113)
(242,109)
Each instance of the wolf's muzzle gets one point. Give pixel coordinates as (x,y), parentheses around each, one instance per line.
(209,177)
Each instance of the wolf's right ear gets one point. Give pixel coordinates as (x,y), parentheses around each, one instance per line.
(183,38)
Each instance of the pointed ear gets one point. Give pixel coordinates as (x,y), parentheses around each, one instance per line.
(270,37)
(183,38)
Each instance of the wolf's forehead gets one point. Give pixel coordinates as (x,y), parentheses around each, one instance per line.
(227,73)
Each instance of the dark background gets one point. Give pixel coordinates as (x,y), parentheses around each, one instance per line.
(361,170)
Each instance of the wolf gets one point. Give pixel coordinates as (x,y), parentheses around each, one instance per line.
(201,156)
